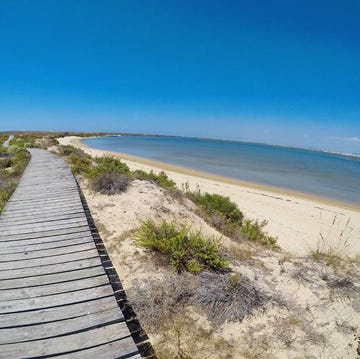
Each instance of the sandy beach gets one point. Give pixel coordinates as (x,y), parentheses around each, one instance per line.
(312,310)
(297,220)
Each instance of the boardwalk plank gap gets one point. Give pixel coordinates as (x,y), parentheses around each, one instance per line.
(59,293)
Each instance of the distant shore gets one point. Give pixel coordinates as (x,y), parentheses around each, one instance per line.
(158,166)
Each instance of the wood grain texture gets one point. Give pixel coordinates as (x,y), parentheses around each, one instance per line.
(56,298)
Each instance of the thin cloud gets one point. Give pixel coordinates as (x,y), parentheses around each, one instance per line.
(347,139)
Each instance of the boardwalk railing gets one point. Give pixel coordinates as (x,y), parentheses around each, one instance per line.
(56,298)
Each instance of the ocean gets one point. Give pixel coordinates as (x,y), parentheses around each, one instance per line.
(322,174)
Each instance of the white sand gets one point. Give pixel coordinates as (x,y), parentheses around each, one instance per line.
(297,220)
(315,321)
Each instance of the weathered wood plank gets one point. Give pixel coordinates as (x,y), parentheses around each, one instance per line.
(82,233)
(41,219)
(70,343)
(62,327)
(23,214)
(59,299)
(55,296)
(23,208)
(41,234)
(13,320)
(39,196)
(40,227)
(49,269)
(47,245)
(106,351)
(45,200)
(53,278)
(46,252)
(62,258)
(40,214)
(52,289)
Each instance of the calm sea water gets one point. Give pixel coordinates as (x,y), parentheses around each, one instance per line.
(323,174)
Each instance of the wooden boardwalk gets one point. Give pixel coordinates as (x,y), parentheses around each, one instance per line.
(56,299)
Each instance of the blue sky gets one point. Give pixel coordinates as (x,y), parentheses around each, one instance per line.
(281,72)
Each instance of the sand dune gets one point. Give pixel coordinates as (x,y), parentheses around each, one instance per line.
(296,219)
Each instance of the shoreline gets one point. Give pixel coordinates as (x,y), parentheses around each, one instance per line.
(205,175)
(301,223)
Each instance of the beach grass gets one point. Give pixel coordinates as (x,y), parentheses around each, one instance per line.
(333,245)
(185,250)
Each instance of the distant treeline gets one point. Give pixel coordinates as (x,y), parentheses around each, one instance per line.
(71,133)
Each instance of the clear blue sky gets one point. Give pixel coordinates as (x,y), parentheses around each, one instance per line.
(283,72)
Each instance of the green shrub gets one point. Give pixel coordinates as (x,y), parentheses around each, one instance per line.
(65,150)
(6,193)
(9,179)
(161,179)
(79,161)
(5,162)
(21,155)
(219,205)
(184,249)
(253,231)
(164,181)
(13,149)
(110,183)
(108,165)
(82,163)
(223,214)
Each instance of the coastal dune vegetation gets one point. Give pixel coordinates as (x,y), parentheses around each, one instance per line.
(205,280)
(13,161)
(109,175)
(262,302)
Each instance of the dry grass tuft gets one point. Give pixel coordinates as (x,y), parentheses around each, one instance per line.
(341,283)
(240,252)
(184,338)
(333,245)
(228,298)
(287,257)
(301,275)
(110,183)
(297,328)
(155,301)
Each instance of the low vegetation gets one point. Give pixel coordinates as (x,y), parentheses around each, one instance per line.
(185,250)
(161,179)
(188,297)
(223,214)
(79,161)
(13,161)
(34,139)
(161,302)
(104,165)
(155,301)
(108,175)
(110,183)
(333,246)
(216,205)
(228,298)
(254,231)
